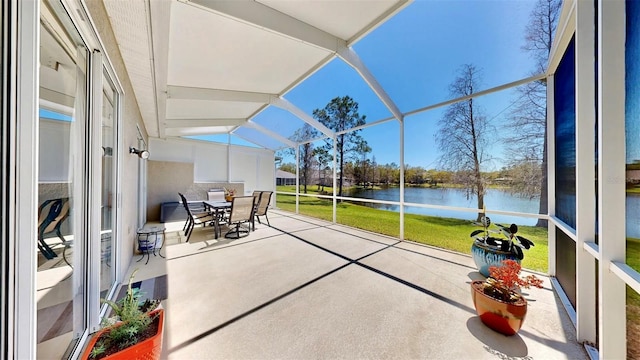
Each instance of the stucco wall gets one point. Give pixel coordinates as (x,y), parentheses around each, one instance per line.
(168,178)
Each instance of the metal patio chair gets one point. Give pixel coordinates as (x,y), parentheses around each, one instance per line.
(51,215)
(242,208)
(195,216)
(262,206)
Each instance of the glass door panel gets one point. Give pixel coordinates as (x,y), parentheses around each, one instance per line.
(108,203)
(61,319)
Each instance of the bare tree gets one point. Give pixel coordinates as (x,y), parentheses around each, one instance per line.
(463,134)
(374,170)
(527,140)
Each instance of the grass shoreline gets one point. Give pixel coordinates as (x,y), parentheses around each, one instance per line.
(446,233)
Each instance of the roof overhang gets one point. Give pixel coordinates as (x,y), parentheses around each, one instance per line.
(208,66)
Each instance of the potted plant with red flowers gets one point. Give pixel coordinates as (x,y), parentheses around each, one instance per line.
(134,332)
(498,300)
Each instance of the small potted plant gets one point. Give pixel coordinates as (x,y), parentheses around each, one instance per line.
(229,194)
(134,332)
(489,251)
(498,300)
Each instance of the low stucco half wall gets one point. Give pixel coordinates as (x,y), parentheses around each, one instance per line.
(165,179)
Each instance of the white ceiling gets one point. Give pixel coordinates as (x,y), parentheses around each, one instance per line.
(209,66)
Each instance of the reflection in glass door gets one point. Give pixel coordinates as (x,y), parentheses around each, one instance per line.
(109,149)
(60,286)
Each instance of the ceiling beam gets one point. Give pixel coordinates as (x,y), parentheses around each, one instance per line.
(187,131)
(159,15)
(184,123)
(286,105)
(350,57)
(253,142)
(275,136)
(379,20)
(192,93)
(261,16)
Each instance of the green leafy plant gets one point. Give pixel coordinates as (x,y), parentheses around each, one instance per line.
(505,280)
(129,324)
(511,242)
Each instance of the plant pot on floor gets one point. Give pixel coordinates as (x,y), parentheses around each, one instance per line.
(148,349)
(488,250)
(485,256)
(503,317)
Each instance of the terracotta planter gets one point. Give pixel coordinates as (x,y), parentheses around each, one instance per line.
(149,349)
(505,318)
(485,256)
(229,198)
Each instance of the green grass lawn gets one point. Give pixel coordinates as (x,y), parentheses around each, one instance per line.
(633,260)
(451,234)
(311,189)
(633,300)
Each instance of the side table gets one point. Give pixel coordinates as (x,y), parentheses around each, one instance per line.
(148,240)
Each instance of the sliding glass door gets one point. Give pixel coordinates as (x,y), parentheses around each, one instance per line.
(78,119)
(61,290)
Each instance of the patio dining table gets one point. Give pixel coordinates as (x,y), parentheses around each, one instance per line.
(217,208)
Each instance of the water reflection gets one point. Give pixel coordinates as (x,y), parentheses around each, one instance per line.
(495,199)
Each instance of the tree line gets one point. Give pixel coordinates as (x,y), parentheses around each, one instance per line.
(370,174)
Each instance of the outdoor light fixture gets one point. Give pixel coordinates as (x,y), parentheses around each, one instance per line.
(142,154)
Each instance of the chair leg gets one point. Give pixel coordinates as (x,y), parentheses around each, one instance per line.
(189,230)
(46,250)
(64,255)
(186,225)
(189,227)
(266,217)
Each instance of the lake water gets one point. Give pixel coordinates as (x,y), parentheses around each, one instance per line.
(495,199)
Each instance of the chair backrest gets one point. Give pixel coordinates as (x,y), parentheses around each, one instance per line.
(51,215)
(263,205)
(241,209)
(185,204)
(256,197)
(215,195)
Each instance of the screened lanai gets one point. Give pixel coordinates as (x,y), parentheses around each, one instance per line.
(269,91)
(228,94)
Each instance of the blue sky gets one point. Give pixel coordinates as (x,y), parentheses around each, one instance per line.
(415,55)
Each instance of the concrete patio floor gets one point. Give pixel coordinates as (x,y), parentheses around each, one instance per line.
(308,289)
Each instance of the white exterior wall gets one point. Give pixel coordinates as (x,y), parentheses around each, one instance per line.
(54,168)
(251,166)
